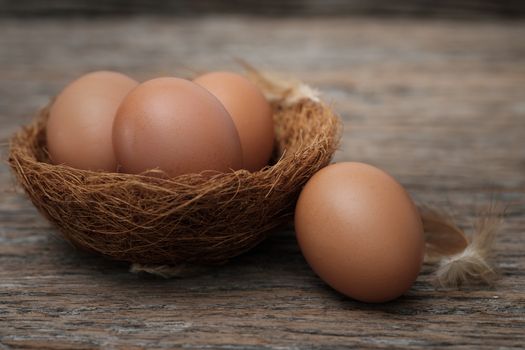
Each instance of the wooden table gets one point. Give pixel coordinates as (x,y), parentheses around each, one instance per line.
(438,104)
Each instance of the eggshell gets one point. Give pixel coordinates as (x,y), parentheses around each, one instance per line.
(360,231)
(80,120)
(177,126)
(250,112)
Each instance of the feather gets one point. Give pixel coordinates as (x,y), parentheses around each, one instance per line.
(168,271)
(442,236)
(474,265)
(284,91)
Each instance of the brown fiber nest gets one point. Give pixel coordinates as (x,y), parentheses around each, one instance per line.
(191,218)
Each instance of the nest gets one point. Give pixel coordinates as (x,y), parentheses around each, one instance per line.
(193,218)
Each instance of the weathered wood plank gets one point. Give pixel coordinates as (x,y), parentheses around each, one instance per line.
(438,104)
(434,8)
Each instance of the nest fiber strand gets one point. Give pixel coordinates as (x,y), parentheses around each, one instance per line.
(202,218)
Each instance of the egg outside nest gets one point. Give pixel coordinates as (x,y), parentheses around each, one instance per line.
(194,218)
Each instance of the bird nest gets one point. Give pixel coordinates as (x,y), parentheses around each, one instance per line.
(202,218)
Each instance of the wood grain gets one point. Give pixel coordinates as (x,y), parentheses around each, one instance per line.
(466,9)
(438,104)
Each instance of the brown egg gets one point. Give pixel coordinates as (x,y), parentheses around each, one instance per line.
(250,112)
(360,231)
(78,131)
(177,126)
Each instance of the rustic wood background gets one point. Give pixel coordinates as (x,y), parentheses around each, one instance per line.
(439,104)
(422,8)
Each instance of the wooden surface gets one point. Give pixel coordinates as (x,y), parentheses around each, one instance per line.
(440,105)
(428,8)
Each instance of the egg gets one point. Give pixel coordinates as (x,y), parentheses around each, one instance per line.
(176,126)
(78,130)
(250,111)
(360,231)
